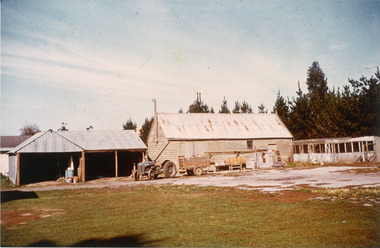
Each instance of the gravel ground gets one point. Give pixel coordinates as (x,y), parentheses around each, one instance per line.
(270,180)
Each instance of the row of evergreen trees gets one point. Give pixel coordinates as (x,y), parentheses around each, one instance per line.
(325,113)
(319,113)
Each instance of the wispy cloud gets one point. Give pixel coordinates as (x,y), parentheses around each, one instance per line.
(108,60)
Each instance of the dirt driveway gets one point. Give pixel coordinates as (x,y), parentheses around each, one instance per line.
(266,180)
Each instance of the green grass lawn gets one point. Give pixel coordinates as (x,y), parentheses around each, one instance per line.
(187,216)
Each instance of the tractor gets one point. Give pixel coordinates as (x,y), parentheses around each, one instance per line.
(152,169)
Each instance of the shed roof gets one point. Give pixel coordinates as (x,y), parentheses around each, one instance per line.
(9,142)
(205,126)
(76,141)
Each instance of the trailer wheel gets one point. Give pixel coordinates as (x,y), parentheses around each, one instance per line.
(198,171)
(135,176)
(169,169)
(190,172)
(151,175)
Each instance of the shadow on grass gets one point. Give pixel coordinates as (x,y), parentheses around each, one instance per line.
(123,241)
(12,195)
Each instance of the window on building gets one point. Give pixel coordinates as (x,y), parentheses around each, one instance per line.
(355,146)
(249,144)
(323,150)
(371,146)
(305,149)
(297,149)
(317,148)
(336,146)
(341,148)
(348,147)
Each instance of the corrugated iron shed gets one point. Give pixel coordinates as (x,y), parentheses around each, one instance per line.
(105,140)
(77,141)
(204,126)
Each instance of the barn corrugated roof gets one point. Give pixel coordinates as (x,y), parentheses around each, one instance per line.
(105,140)
(74,141)
(204,126)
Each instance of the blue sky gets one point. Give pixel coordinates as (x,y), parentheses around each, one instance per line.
(100,63)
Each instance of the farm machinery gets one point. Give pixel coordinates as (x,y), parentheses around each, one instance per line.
(151,169)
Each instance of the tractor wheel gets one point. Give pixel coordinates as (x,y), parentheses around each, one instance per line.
(151,175)
(190,172)
(135,176)
(170,169)
(198,171)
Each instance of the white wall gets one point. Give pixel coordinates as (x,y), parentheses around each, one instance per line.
(4,164)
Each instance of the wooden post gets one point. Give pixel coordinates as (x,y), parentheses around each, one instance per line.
(18,170)
(83,170)
(116,165)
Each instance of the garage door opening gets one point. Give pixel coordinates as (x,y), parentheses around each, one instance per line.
(103,164)
(39,167)
(35,167)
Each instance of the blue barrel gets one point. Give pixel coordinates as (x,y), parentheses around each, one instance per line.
(69,174)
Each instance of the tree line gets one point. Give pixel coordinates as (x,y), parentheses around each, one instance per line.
(320,112)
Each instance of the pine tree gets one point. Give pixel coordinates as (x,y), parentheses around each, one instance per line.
(299,121)
(261,109)
(281,108)
(223,108)
(198,106)
(237,108)
(145,128)
(245,107)
(366,104)
(130,125)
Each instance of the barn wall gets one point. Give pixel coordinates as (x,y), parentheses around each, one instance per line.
(220,150)
(155,146)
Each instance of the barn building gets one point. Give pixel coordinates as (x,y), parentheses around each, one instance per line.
(89,154)
(338,150)
(217,136)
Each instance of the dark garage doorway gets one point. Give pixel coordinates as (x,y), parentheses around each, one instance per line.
(102,164)
(39,167)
